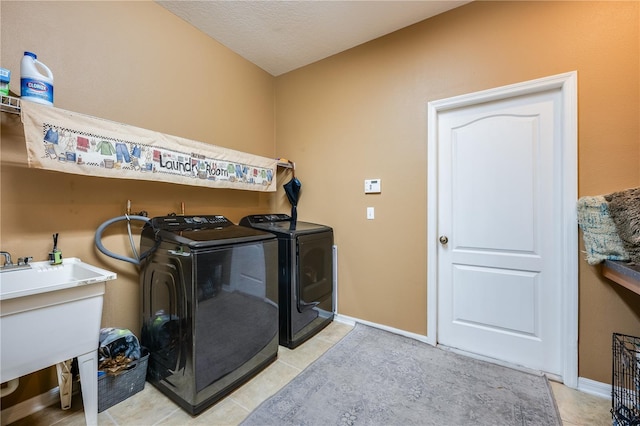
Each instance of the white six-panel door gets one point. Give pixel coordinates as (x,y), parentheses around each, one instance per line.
(500,210)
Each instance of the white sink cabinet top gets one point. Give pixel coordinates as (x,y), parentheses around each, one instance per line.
(43,277)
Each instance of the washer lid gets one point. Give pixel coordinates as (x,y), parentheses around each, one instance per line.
(281,224)
(204,231)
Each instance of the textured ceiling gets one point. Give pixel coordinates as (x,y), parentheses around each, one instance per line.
(280,36)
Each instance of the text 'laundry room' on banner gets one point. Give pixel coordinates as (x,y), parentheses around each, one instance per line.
(69,142)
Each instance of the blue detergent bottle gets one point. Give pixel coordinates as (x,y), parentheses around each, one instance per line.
(36,80)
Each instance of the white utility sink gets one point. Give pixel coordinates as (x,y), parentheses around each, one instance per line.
(49,314)
(43,277)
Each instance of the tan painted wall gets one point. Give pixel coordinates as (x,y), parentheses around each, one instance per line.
(357,115)
(362,114)
(135,63)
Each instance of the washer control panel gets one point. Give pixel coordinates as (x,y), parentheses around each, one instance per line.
(265,218)
(190,222)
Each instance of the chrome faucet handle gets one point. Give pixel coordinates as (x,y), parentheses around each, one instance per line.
(7,257)
(24,260)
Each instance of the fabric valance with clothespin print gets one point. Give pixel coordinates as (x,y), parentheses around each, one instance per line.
(69,142)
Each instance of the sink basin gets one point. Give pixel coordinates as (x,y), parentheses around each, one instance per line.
(50,314)
(43,277)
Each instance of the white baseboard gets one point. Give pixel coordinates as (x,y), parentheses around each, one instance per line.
(29,406)
(352,321)
(343,319)
(592,387)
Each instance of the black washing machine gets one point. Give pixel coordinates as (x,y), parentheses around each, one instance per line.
(306,282)
(209,306)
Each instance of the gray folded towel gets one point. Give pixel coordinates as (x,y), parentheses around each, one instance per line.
(624,208)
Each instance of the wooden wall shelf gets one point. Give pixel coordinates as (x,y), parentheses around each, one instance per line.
(623,273)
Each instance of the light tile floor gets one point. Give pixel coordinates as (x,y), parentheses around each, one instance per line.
(150,407)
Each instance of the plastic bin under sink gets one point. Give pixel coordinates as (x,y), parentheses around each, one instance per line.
(49,314)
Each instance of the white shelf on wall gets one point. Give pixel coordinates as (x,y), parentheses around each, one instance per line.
(285,165)
(219,164)
(10,104)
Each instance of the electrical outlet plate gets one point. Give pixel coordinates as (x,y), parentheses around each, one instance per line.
(372,186)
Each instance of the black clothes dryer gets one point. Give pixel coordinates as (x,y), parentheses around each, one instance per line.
(209,306)
(305,277)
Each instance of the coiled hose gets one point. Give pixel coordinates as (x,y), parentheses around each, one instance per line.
(128,218)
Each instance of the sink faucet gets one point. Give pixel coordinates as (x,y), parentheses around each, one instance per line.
(7,257)
(23,262)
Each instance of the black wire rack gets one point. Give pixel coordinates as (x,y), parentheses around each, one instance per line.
(625,392)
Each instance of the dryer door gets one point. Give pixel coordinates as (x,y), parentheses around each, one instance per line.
(315,271)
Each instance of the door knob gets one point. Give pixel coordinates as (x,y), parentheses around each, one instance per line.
(443,239)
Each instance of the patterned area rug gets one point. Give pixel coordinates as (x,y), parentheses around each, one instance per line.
(373,377)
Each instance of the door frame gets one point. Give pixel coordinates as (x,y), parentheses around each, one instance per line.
(567,84)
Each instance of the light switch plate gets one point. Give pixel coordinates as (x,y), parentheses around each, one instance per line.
(370,213)
(372,186)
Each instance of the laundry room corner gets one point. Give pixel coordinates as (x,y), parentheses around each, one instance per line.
(198,178)
(119,72)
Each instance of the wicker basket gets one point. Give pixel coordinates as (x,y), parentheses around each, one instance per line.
(115,389)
